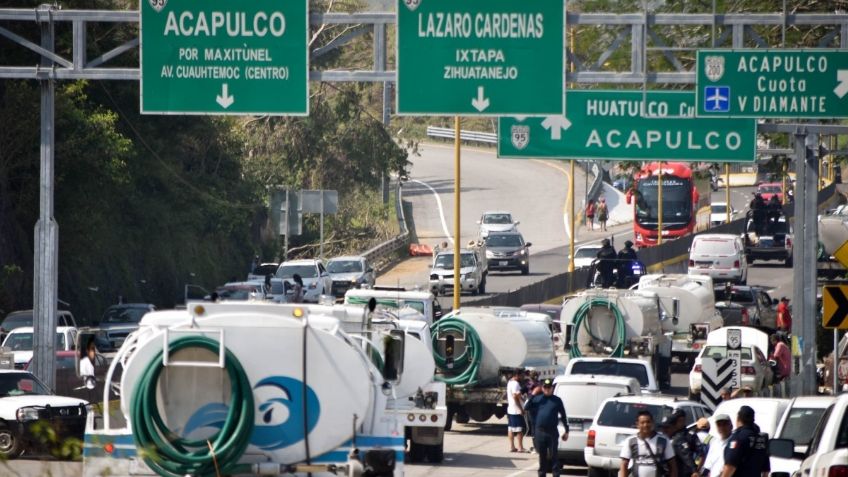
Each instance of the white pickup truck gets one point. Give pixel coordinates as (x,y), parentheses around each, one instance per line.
(827,453)
(473,270)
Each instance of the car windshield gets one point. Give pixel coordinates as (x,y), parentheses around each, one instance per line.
(445,261)
(736,295)
(504,240)
(586,253)
(305,271)
(769,188)
(497,219)
(123,315)
(613,368)
(623,414)
(720,352)
(23,341)
(21,384)
(234,293)
(344,266)
(719,208)
(17,321)
(677,200)
(800,425)
(713,247)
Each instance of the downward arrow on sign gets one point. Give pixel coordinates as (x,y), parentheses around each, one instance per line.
(481,102)
(224,99)
(556,124)
(842,87)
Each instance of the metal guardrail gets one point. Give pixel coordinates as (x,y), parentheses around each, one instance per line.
(381,255)
(469,136)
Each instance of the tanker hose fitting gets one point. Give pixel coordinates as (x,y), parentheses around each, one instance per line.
(581,323)
(171,455)
(465,367)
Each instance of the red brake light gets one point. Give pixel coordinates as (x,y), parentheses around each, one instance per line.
(736,264)
(788,242)
(590,439)
(109,448)
(837,471)
(749,370)
(697,368)
(691,263)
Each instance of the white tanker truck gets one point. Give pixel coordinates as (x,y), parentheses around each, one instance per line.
(618,324)
(476,350)
(250,389)
(690,302)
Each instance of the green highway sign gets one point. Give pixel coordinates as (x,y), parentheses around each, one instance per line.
(223,57)
(772,83)
(480,57)
(627,125)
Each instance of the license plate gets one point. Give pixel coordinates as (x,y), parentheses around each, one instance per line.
(619,438)
(703,264)
(575,425)
(503,263)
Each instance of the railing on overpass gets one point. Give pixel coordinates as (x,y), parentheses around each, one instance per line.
(380,256)
(467,136)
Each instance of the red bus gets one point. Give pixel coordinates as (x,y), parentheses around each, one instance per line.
(686,202)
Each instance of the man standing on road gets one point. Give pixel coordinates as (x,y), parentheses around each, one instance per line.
(515,412)
(547,411)
(647,454)
(685,450)
(606,263)
(784,318)
(746,454)
(782,356)
(714,462)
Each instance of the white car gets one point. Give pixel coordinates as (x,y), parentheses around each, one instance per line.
(316,279)
(756,372)
(496,221)
(585,255)
(798,423)
(718,213)
(26,404)
(20,342)
(616,421)
(720,256)
(350,272)
(637,369)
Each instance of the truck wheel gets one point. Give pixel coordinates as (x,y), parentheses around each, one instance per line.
(10,443)
(598,472)
(435,453)
(416,452)
(788,262)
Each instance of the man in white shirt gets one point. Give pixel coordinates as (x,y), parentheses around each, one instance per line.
(647,453)
(515,412)
(714,462)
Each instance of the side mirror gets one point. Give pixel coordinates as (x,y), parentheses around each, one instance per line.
(516,222)
(784,448)
(369,270)
(528,244)
(394,344)
(775,301)
(772,362)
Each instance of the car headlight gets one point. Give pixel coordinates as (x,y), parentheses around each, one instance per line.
(522,252)
(25,414)
(490,254)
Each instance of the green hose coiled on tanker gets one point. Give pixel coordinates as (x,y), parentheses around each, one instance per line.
(170,455)
(581,319)
(468,363)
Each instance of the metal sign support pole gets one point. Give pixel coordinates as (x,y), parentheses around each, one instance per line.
(457,246)
(45,292)
(659,204)
(321,229)
(571,218)
(727,189)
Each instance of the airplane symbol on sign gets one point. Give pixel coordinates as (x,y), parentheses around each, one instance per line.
(717,99)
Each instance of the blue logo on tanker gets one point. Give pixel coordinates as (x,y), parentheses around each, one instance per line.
(280,419)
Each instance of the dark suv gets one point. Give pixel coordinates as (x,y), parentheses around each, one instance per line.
(508,251)
(119,321)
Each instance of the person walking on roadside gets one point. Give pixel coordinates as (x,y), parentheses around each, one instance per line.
(647,454)
(547,411)
(603,213)
(590,215)
(784,317)
(746,453)
(515,413)
(714,461)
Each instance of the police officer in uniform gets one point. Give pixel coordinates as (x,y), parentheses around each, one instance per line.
(626,257)
(746,453)
(606,263)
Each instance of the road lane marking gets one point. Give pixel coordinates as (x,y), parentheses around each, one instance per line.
(439,205)
(567,205)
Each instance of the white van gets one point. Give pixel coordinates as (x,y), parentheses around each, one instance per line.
(582,394)
(720,256)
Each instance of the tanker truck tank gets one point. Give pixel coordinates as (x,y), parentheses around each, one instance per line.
(688,304)
(477,349)
(618,324)
(247,388)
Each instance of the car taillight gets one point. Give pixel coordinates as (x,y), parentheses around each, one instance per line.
(746,320)
(749,370)
(837,471)
(788,242)
(697,368)
(590,438)
(736,264)
(691,263)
